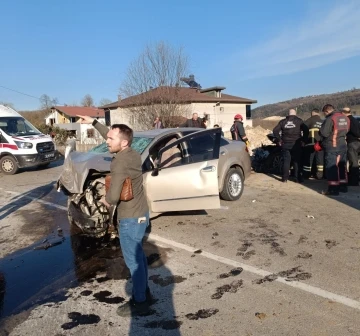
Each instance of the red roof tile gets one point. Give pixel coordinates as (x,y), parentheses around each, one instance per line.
(179,94)
(73,111)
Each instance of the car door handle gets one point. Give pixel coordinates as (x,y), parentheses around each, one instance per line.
(209,169)
(222,153)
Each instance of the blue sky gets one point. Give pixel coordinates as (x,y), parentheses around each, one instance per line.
(265,50)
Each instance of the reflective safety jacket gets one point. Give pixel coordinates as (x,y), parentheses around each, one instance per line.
(333,132)
(237,131)
(313,124)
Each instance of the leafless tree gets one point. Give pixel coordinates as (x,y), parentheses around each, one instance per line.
(153,82)
(11,105)
(87,101)
(105,101)
(46,102)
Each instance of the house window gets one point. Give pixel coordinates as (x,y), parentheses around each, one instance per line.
(107,118)
(90,133)
(248,112)
(132,120)
(72,119)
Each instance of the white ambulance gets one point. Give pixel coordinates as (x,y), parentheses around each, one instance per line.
(21,144)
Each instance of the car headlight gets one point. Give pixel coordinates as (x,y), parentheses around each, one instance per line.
(24,145)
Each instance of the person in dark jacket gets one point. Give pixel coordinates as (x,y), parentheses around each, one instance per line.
(353,147)
(292,138)
(333,134)
(195,121)
(237,130)
(309,154)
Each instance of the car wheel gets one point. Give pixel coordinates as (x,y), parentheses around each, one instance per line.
(70,218)
(9,165)
(233,185)
(278,164)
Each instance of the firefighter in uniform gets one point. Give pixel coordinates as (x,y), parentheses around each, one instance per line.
(291,133)
(353,148)
(237,130)
(333,133)
(309,154)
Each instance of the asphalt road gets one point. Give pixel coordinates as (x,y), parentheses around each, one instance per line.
(284,260)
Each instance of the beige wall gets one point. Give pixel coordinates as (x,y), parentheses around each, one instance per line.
(59,119)
(224,118)
(119,116)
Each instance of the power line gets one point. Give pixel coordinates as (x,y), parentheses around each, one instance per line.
(25,94)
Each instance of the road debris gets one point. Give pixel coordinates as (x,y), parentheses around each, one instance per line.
(230,288)
(293,274)
(330,243)
(310,216)
(80,319)
(260,316)
(304,255)
(233,272)
(202,313)
(47,244)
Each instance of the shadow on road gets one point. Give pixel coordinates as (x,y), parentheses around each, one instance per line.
(43,273)
(17,202)
(181,213)
(351,198)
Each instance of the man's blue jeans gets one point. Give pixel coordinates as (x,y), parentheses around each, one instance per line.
(131,236)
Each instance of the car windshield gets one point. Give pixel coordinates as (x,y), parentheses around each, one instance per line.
(139,144)
(17,126)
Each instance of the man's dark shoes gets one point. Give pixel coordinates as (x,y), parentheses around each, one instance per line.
(149,298)
(343,188)
(133,308)
(298,179)
(283,180)
(332,192)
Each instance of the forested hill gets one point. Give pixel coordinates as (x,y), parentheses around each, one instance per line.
(305,104)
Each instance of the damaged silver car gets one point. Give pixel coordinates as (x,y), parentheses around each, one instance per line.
(183,169)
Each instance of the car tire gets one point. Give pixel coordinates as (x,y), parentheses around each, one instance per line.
(70,218)
(233,185)
(8,165)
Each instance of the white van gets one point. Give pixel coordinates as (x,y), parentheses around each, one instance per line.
(21,144)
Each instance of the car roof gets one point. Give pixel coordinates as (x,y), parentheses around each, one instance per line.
(154,133)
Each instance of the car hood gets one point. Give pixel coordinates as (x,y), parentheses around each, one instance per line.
(77,166)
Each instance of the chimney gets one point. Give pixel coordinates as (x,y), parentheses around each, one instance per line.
(119,98)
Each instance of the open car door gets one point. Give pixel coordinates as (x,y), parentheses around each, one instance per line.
(191,183)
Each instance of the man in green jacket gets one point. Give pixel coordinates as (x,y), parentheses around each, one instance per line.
(133,215)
